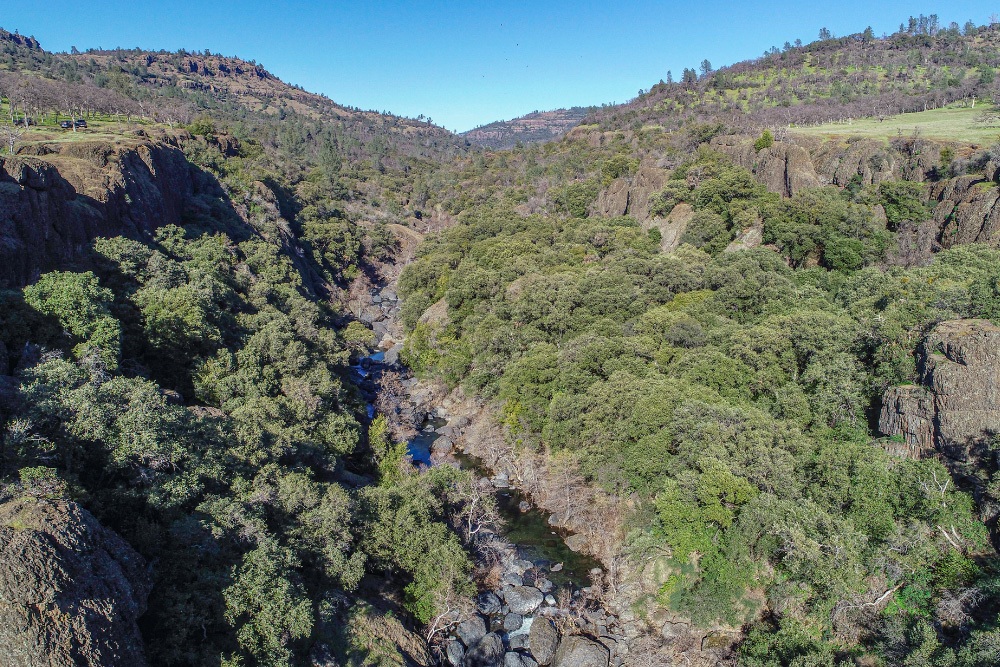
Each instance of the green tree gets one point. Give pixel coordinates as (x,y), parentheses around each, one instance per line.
(81,306)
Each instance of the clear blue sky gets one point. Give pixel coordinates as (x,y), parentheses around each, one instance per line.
(467,63)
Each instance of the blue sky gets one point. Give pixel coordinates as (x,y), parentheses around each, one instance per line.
(464,63)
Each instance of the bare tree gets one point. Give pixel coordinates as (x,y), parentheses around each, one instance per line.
(12,133)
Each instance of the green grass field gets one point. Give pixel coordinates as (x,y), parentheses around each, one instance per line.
(954,123)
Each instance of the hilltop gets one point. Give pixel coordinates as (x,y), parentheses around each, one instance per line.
(535,127)
(175,87)
(921,67)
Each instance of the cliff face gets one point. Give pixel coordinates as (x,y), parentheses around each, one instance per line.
(785,168)
(956,406)
(70,589)
(57,197)
(629,195)
(966,208)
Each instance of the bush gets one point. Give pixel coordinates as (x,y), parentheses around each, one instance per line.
(766,140)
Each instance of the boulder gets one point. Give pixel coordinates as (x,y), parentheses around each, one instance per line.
(523,599)
(487,652)
(576,542)
(543,640)
(511,659)
(392,354)
(455,653)
(577,651)
(442,445)
(471,630)
(513,579)
(488,604)
(521,566)
(58,562)
(512,622)
(518,642)
(717,641)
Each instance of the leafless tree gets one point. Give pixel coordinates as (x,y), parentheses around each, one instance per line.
(12,133)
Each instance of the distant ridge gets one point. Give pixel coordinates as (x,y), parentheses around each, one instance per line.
(535,127)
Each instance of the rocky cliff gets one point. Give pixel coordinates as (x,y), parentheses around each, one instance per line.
(965,208)
(56,197)
(70,589)
(956,406)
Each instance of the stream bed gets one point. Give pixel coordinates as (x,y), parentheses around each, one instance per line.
(513,621)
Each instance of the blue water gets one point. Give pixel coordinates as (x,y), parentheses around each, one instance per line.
(419,447)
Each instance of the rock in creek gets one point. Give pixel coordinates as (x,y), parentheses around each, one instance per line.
(518,642)
(511,659)
(392,354)
(523,599)
(513,579)
(488,652)
(442,446)
(577,651)
(521,566)
(488,604)
(455,653)
(471,631)
(512,622)
(543,640)
(576,542)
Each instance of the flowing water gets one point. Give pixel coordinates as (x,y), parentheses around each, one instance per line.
(528,530)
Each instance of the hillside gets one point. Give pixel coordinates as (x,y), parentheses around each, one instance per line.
(921,67)
(313,369)
(535,127)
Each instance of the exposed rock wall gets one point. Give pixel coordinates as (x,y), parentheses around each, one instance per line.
(956,406)
(54,201)
(71,590)
(629,195)
(966,211)
(966,208)
(785,168)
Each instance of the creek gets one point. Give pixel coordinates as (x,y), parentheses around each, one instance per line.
(525,527)
(542,579)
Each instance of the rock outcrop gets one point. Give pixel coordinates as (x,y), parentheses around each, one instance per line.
(785,168)
(629,195)
(956,406)
(57,197)
(966,211)
(71,590)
